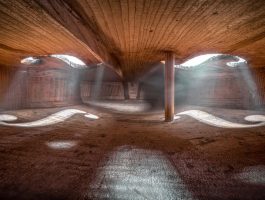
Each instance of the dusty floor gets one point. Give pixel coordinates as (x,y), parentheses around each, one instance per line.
(135,156)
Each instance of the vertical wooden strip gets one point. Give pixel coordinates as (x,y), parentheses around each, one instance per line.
(169,87)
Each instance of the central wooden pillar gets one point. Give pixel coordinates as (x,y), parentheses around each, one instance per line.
(169,86)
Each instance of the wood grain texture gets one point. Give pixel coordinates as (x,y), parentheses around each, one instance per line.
(12,88)
(26,30)
(52,88)
(131,35)
(52,83)
(107,90)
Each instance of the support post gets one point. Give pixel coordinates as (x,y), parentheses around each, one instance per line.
(126,90)
(138,97)
(169,86)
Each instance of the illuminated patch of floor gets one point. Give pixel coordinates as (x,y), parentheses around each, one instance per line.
(212,120)
(253,175)
(91,116)
(133,173)
(255,118)
(50,120)
(121,106)
(61,144)
(6,117)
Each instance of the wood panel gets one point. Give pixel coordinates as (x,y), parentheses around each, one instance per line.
(132,35)
(12,88)
(232,89)
(218,91)
(259,77)
(103,90)
(217,87)
(36,87)
(137,32)
(51,88)
(26,30)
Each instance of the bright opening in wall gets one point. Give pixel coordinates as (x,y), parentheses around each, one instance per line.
(30,60)
(198,60)
(71,60)
(203,58)
(61,144)
(235,64)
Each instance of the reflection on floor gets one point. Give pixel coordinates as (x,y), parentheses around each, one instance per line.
(199,115)
(5,117)
(133,173)
(61,144)
(212,120)
(124,106)
(135,156)
(50,120)
(253,175)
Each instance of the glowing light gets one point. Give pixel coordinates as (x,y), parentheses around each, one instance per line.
(212,120)
(235,64)
(133,173)
(61,144)
(203,58)
(119,106)
(198,60)
(50,120)
(71,60)
(255,118)
(253,175)
(7,118)
(29,61)
(91,116)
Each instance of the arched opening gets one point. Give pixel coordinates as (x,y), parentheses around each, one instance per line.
(44,81)
(202,59)
(215,80)
(71,60)
(30,60)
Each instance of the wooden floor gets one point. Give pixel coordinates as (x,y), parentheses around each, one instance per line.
(131,156)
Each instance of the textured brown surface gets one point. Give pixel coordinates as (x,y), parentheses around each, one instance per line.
(13,90)
(48,84)
(130,35)
(115,155)
(104,90)
(26,30)
(52,86)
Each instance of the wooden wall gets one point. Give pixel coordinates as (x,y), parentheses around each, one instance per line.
(259,77)
(229,88)
(103,90)
(38,88)
(216,87)
(221,91)
(108,90)
(52,87)
(12,88)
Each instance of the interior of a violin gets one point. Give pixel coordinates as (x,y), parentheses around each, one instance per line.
(132,99)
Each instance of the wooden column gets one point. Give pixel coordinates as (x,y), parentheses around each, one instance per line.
(169,86)
(126,90)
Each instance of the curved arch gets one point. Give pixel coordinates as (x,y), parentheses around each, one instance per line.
(70,60)
(198,60)
(211,74)
(30,60)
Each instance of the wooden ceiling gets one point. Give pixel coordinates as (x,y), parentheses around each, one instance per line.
(132,35)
